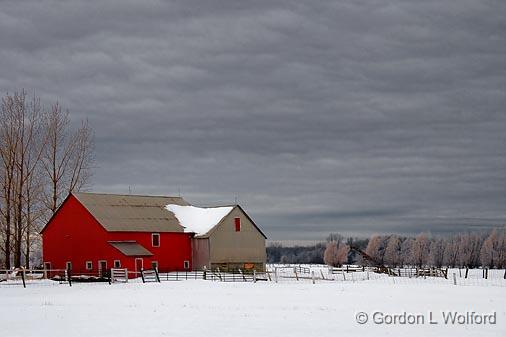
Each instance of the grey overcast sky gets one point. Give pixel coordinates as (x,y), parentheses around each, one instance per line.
(319,116)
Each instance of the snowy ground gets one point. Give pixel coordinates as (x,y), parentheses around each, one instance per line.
(198,308)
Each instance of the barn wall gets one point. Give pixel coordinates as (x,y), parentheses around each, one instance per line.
(228,247)
(74,235)
(200,253)
(175,248)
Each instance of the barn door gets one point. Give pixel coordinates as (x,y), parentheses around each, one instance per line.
(138,265)
(102,268)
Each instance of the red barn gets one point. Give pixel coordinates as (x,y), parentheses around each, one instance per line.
(91,233)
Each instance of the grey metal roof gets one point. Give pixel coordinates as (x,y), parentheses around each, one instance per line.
(130,248)
(132,213)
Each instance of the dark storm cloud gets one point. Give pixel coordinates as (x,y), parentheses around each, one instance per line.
(351,116)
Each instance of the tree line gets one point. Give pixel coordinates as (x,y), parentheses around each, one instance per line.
(487,249)
(458,250)
(42,159)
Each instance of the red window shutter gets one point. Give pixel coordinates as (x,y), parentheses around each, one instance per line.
(237,224)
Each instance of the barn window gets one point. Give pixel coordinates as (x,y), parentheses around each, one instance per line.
(155,239)
(89,265)
(237,224)
(68,266)
(186,264)
(117,264)
(154,264)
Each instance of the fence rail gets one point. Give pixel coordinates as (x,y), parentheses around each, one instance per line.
(274,273)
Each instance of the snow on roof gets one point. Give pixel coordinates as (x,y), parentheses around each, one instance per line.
(198,220)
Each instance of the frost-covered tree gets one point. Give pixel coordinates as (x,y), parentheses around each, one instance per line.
(436,252)
(406,257)
(420,250)
(376,248)
(336,252)
(392,255)
(469,249)
(493,250)
(451,252)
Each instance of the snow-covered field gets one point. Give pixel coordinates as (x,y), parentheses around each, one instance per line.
(206,308)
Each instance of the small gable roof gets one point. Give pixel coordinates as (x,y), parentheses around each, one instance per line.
(203,221)
(132,213)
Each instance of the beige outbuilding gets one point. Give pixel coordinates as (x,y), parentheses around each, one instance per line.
(225,237)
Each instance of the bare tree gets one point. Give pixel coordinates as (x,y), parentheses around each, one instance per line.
(20,133)
(68,156)
(8,146)
(41,161)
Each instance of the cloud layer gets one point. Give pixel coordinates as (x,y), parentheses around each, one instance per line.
(350,116)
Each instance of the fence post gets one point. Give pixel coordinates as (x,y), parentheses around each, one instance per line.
(367,275)
(454,279)
(467,271)
(69,276)
(296,276)
(254,276)
(276,274)
(321,272)
(486,274)
(142,275)
(312,276)
(23,276)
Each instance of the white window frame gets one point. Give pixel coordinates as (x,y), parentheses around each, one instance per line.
(186,264)
(67,265)
(90,265)
(159,237)
(118,265)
